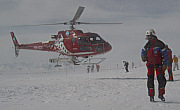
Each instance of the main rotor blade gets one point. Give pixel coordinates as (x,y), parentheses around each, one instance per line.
(40,24)
(96,23)
(78,13)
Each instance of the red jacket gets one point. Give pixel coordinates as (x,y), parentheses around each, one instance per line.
(155,52)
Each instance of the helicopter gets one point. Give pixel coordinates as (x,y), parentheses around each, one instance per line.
(72,43)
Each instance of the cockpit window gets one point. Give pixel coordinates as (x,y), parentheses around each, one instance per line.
(83,40)
(95,39)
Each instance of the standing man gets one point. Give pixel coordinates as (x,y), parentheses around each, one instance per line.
(169,63)
(92,68)
(156,56)
(175,59)
(88,68)
(126,65)
(132,65)
(97,67)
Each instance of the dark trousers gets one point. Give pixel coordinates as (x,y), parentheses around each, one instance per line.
(160,77)
(169,69)
(126,67)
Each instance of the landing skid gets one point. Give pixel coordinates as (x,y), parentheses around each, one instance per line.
(68,61)
(92,61)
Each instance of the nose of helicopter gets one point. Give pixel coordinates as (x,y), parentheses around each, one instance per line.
(107,47)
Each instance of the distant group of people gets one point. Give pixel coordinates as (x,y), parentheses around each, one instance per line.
(159,58)
(92,68)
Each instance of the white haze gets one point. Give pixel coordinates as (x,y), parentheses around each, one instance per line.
(31,82)
(127,39)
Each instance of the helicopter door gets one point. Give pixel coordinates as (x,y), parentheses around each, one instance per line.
(97,42)
(75,47)
(73,41)
(83,43)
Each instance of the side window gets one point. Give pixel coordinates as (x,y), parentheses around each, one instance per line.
(98,39)
(83,40)
(91,39)
(95,39)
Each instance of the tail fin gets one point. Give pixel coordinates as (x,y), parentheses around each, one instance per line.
(16,44)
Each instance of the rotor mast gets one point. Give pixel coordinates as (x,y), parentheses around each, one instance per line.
(76,17)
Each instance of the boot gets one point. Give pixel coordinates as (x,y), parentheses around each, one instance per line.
(161,97)
(171,79)
(151,98)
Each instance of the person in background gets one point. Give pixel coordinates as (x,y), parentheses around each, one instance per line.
(132,65)
(169,63)
(88,68)
(156,56)
(175,59)
(92,68)
(97,67)
(126,65)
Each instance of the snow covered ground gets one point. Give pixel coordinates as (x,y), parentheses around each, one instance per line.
(69,89)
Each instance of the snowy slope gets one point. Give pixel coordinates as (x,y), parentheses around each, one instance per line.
(77,90)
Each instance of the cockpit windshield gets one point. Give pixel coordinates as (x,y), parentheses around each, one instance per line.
(95,38)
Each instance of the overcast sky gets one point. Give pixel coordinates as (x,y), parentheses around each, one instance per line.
(127,39)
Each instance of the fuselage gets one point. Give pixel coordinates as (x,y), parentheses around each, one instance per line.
(72,43)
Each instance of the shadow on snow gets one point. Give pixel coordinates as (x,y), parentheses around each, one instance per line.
(176,80)
(122,78)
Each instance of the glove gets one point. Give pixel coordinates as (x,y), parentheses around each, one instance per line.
(144,59)
(164,68)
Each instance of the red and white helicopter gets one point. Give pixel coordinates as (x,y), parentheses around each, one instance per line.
(72,43)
